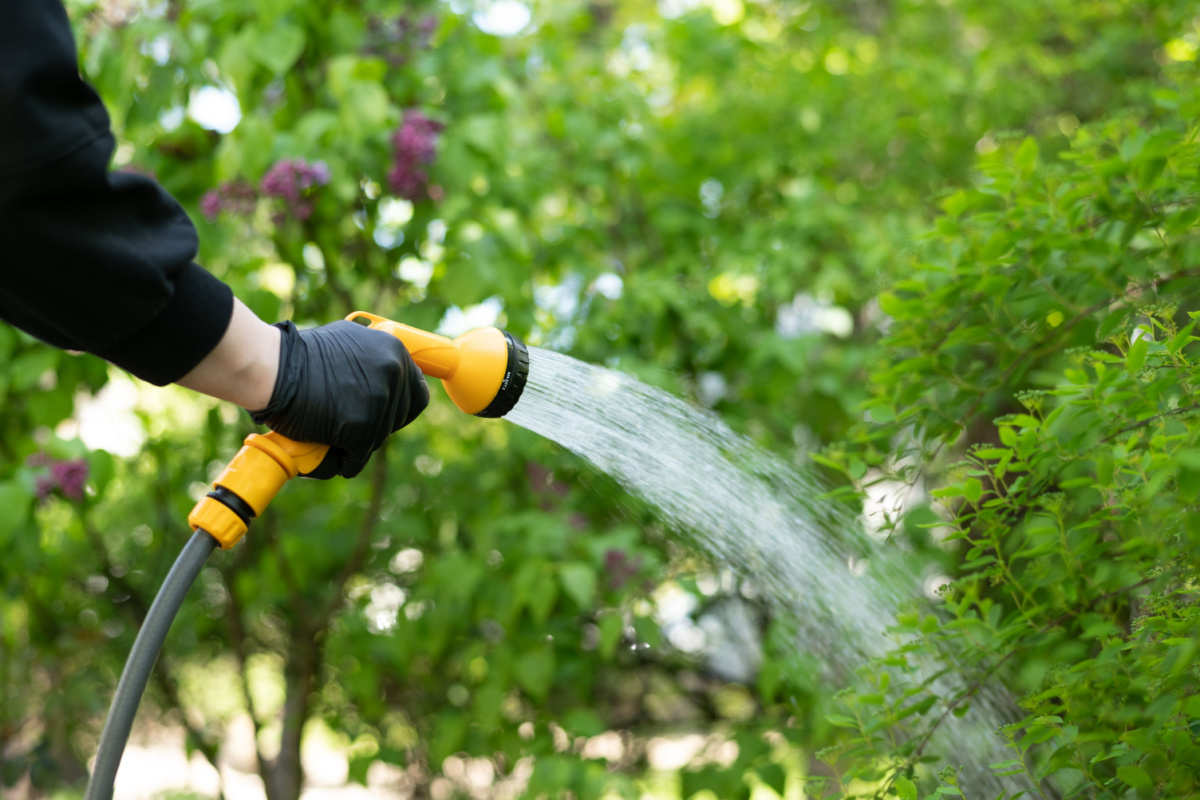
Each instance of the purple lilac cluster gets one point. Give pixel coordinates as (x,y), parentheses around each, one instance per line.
(293,181)
(415,147)
(67,476)
(235,198)
(620,567)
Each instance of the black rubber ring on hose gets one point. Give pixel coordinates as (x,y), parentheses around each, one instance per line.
(234,503)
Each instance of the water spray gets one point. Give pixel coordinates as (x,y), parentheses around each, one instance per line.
(484,372)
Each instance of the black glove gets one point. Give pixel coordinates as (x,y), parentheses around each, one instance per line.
(346,386)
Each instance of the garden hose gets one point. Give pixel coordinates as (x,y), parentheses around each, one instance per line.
(484,372)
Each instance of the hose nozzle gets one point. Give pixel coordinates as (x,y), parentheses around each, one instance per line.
(484,371)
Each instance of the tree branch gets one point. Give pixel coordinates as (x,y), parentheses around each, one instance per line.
(362,546)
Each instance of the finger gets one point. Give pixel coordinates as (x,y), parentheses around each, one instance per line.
(330,465)
(417,399)
(353,464)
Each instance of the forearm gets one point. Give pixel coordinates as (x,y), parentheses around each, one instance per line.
(243,366)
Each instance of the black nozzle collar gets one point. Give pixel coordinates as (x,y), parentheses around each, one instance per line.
(516,374)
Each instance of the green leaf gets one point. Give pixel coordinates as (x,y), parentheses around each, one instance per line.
(278,48)
(101,469)
(449,731)
(1026,155)
(842,721)
(583,722)
(1111,324)
(972,490)
(579,582)
(359,765)
(773,775)
(1135,776)
(892,305)
(27,369)
(535,671)
(906,789)
(15,504)
(725,784)
(1136,357)
(1190,459)
(611,627)
(1132,146)
(542,594)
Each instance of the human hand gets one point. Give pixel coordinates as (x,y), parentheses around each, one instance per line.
(344,385)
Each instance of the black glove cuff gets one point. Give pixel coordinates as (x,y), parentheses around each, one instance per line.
(287,380)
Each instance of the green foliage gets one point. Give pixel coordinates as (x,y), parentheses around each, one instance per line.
(1054,298)
(757,176)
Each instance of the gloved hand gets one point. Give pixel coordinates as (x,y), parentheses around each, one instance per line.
(344,385)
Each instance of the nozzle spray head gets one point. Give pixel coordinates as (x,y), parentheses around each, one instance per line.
(484,371)
(491,374)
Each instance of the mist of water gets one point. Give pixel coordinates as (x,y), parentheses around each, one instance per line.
(760,516)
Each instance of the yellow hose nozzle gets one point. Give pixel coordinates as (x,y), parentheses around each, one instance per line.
(484,372)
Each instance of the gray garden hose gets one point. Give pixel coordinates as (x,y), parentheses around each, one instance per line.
(141,661)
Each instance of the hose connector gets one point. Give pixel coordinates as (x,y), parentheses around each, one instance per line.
(250,482)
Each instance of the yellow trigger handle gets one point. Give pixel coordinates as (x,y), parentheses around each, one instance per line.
(483,371)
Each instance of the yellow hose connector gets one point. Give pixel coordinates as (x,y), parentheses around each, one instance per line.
(250,482)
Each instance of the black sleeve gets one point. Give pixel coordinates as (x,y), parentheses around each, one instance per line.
(90,259)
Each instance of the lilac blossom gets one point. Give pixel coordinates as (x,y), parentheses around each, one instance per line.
(294,180)
(236,198)
(67,476)
(415,147)
(70,477)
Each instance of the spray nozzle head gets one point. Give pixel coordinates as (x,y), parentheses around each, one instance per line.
(516,375)
(484,370)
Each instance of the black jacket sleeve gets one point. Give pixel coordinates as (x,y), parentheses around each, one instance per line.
(90,259)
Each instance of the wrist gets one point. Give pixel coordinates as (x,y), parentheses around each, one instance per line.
(255,375)
(243,366)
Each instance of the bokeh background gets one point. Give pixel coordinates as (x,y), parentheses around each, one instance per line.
(710,196)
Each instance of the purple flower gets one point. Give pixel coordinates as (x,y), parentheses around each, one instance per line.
(292,176)
(237,197)
(211,205)
(620,567)
(70,476)
(294,180)
(415,146)
(45,485)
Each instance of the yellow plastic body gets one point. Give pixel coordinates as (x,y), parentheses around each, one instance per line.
(471,368)
(256,474)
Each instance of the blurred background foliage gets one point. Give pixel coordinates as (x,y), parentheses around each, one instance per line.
(711,196)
